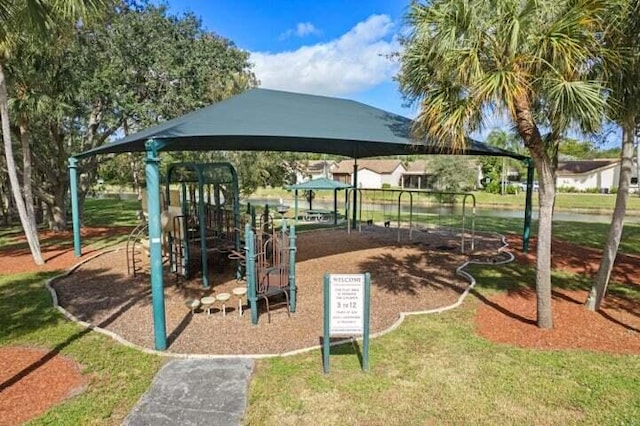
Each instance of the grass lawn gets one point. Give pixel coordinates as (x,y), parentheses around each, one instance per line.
(432,370)
(117,375)
(435,370)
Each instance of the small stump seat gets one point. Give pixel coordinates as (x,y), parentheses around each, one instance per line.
(223,298)
(207,303)
(239,292)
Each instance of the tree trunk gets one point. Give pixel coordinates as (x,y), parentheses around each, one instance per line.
(546,197)
(27,174)
(58,209)
(29,231)
(544,164)
(599,287)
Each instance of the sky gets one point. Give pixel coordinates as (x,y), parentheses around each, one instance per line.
(331,47)
(335,48)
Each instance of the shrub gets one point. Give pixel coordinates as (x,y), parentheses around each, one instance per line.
(513,189)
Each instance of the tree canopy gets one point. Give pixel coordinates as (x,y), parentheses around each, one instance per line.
(533,60)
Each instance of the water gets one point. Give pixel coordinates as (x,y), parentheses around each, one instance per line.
(568,216)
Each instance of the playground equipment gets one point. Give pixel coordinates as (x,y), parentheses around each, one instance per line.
(269,257)
(207,219)
(200,218)
(405,217)
(137,248)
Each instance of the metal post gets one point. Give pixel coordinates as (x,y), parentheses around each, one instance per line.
(295,206)
(365,336)
(251,272)
(75,213)
(155,243)
(326,346)
(203,231)
(292,268)
(236,217)
(335,206)
(526,233)
(355,192)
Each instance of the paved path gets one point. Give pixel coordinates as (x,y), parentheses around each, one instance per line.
(195,392)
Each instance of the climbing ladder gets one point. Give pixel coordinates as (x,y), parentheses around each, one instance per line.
(137,249)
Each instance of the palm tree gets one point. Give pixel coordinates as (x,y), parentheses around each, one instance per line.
(20,19)
(625,94)
(462,60)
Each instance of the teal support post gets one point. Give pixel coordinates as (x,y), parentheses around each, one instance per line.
(292,268)
(335,206)
(253,218)
(295,206)
(251,272)
(355,194)
(326,338)
(203,233)
(75,212)
(526,233)
(365,327)
(155,242)
(236,220)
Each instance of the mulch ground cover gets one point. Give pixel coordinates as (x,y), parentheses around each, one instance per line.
(408,277)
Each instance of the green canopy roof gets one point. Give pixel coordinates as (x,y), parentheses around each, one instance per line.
(320,183)
(271,120)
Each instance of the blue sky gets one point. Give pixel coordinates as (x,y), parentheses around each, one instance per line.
(332,47)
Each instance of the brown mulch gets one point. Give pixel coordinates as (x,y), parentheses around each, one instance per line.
(399,284)
(511,317)
(34,380)
(405,277)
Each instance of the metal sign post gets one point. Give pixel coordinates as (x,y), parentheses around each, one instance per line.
(346,311)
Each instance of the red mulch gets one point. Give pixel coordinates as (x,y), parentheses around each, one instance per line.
(57,250)
(34,380)
(510,318)
(507,318)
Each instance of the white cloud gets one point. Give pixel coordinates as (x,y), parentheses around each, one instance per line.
(354,62)
(301,30)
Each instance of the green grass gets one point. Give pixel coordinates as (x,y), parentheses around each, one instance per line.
(432,370)
(435,370)
(110,212)
(117,375)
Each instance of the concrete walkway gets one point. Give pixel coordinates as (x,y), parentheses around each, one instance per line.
(195,392)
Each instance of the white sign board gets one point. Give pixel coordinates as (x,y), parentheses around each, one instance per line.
(346,304)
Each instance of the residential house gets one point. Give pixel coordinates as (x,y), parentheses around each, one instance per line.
(417,177)
(371,173)
(585,175)
(316,169)
(420,175)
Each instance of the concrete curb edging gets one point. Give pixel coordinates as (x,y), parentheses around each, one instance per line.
(459,271)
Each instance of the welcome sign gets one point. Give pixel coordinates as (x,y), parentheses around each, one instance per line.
(346,311)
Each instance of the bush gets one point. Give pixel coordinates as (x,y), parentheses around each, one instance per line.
(567,189)
(513,189)
(386,186)
(492,187)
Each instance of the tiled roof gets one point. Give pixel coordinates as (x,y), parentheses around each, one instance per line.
(582,166)
(417,167)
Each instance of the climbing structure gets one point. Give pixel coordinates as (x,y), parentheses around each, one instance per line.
(202,216)
(138,249)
